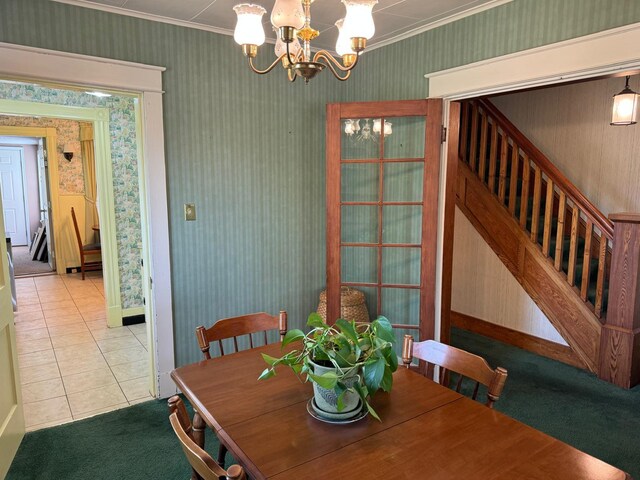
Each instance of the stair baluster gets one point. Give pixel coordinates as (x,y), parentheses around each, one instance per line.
(576,239)
(527,182)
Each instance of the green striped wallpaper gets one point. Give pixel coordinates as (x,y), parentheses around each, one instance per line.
(396,71)
(249,150)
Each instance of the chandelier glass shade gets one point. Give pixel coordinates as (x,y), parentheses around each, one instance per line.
(291,19)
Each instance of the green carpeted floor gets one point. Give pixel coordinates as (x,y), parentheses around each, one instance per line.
(137,442)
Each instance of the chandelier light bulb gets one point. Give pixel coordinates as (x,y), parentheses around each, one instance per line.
(358,22)
(343,45)
(249,30)
(288,13)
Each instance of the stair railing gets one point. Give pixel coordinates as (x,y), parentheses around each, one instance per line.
(551,209)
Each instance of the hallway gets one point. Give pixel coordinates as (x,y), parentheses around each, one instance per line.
(73,366)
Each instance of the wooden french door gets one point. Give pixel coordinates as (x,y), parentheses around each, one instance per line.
(383,167)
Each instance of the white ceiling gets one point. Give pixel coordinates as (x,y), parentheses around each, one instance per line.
(394,19)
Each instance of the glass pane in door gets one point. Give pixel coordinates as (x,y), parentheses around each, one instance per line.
(403,181)
(402,224)
(359,264)
(359,182)
(358,138)
(402,306)
(404,137)
(401,266)
(359,224)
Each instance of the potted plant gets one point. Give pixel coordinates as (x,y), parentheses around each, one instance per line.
(347,362)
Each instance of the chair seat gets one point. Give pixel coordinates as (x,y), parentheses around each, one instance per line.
(92,246)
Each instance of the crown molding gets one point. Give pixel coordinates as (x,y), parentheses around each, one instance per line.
(438,23)
(225,31)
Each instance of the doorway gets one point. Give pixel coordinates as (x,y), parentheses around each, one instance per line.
(26,201)
(72,364)
(572,60)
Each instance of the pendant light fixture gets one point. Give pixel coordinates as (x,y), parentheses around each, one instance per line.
(625,107)
(292,21)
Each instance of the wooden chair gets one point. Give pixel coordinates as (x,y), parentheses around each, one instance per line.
(235,327)
(203,465)
(86,250)
(463,363)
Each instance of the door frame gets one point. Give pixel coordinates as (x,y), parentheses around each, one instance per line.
(99,117)
(25,63)
(23,178)
(50,135)
(609,52)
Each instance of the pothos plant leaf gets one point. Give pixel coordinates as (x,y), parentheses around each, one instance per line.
(348,329)
(383,329)
(387,379)
(271,361)
(267,373)
(327,380)
(292,336)
(315,321)
(373,372)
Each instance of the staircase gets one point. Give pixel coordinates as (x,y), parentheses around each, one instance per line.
(555,242)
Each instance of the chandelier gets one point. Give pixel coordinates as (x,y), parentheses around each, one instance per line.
(362,130)
(292,21)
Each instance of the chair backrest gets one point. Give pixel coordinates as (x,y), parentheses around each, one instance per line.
(75,226)
(201,462)
(463,363)
(235,327)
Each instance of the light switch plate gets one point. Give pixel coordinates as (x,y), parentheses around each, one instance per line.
(189,212)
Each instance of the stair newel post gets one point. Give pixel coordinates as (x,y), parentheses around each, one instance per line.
(620,340)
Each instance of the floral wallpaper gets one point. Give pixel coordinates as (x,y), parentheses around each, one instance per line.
(124,157)
(68,131)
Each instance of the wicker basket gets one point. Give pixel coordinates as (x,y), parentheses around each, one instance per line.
(352,305)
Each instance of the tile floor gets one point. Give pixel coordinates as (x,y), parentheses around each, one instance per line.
(72,365)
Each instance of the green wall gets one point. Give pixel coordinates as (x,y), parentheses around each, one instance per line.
(247,149)
(397,71)
(232,138)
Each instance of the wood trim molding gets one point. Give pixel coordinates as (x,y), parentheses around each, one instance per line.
(553,295)
(522,340)
(603,52)
(22,62)
(63,68)
(50,136)
(449,215)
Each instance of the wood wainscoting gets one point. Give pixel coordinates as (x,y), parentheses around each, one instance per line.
(540,346)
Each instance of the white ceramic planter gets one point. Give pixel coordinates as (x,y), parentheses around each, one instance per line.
(327,400)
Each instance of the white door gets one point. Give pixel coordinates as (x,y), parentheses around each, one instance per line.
(12,181)
(45,204)
(11,415)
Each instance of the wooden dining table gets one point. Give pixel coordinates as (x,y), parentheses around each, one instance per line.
(427,430)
